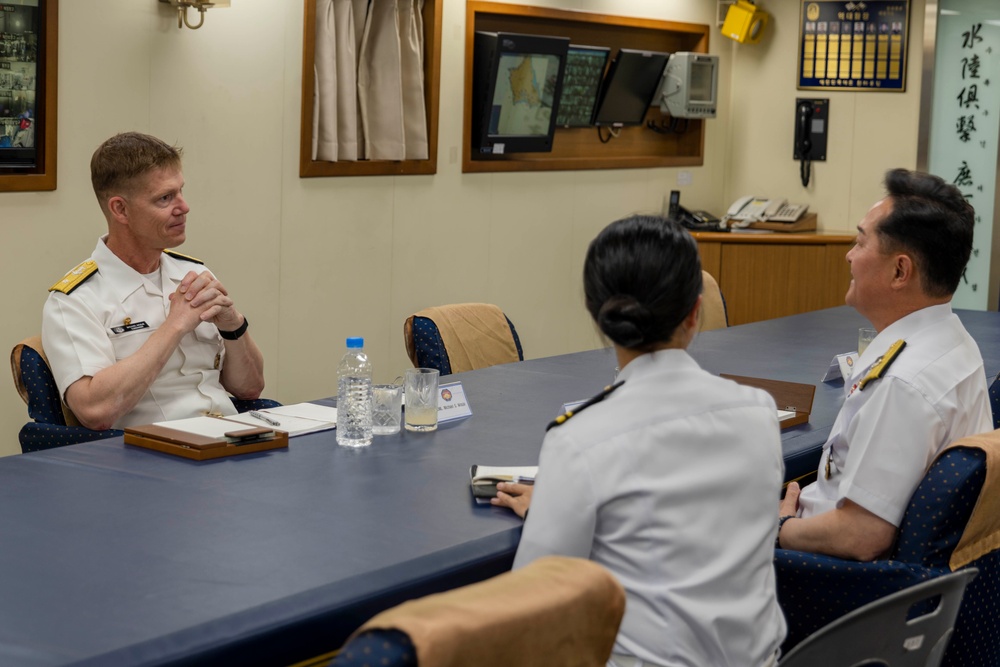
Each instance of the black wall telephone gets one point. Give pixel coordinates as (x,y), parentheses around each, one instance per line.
(810,134)
(699,221)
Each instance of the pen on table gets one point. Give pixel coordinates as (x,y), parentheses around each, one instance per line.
(264,418)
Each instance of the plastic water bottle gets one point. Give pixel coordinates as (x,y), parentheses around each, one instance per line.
(354,396)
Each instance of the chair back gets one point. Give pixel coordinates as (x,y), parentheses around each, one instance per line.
(713,305)
(461,337)
(882,632)
(36,385)
(53,423)
(555,612)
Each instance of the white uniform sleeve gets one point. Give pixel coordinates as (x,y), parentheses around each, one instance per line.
(563,512)
(892,440)
(74,339)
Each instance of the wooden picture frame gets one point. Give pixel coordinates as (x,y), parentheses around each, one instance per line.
(28,94)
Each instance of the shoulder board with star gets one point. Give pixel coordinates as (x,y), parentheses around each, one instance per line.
(181,256)
(564,417)
(882,364)
(76,277)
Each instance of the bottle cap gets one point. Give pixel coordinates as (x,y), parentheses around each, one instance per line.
(355,342)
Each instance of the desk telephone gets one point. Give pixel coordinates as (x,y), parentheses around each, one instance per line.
(753,209)
(698,221)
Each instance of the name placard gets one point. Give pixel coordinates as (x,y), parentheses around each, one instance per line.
(452,403)
(842,366)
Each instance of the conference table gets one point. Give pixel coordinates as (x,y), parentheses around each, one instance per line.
(115,555)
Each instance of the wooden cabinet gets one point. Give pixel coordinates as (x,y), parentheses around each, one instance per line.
(763,276)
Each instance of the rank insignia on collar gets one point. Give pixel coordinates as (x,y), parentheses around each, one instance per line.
(882,364)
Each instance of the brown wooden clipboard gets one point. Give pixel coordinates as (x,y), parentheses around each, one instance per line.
(791,396)
(202,448)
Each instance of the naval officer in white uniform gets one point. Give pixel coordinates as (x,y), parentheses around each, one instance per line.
(669,477)
(138,333)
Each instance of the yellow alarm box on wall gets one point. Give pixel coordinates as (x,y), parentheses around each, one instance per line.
(744,22)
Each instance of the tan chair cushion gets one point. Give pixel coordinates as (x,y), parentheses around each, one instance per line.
(556,612)
(982,533)
(713,310)
(475,335)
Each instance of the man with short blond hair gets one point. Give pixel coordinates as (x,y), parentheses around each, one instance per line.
(139,333)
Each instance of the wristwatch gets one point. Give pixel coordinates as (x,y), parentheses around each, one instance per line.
(781,522)
(236,333)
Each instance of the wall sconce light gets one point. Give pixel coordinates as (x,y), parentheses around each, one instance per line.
(201,5)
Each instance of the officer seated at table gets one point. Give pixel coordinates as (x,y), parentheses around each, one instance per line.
(667,478)
(139,333)
(918,386)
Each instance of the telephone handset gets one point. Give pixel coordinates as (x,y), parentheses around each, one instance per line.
(754,209)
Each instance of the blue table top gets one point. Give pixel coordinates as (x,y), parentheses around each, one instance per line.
(115,555)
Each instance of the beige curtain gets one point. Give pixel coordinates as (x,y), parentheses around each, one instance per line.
(369,76)
(380,83)
(324,143)
(412,69)
(335,114)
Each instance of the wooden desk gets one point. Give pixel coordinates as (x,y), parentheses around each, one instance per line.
(763,276)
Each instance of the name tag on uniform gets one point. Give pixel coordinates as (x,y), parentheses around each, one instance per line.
(134,326)
(452,403)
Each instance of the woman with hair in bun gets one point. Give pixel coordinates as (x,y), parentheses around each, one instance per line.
(669,477)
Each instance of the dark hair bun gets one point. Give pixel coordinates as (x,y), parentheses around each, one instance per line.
(641,278)
(624,320)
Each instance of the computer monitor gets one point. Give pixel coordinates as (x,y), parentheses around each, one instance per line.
(629,87)
(690,86)
(517,80)
(584,70)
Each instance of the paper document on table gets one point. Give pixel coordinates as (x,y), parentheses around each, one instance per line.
(297,419)
(209,427)
(785,414)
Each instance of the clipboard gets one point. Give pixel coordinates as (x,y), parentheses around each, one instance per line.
(793,397)
(239,440)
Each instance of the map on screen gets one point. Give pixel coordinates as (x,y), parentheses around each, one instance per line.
(522,97)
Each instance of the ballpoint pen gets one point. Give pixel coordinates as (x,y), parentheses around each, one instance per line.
(264,418)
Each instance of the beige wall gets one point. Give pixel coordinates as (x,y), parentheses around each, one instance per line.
(313,261)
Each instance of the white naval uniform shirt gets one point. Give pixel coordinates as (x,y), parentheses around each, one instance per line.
(84,332)
(671,483)
(887,435)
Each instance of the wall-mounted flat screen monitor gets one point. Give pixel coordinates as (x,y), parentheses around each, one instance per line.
(517,80)
(629,87)
(585,67)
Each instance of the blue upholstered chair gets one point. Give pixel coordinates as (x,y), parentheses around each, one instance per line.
(555,612)
(888,631)
(53,423)
(814,590)
(425,346)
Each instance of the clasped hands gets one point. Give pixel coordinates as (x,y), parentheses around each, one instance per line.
(200,297)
